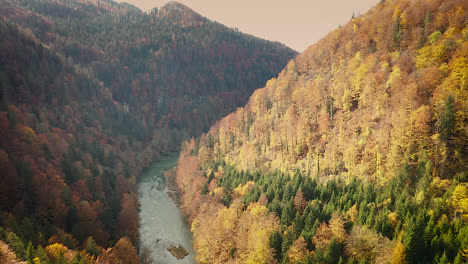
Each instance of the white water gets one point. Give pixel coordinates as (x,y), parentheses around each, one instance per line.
(161,223)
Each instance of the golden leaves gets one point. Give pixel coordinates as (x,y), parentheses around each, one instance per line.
(459,200)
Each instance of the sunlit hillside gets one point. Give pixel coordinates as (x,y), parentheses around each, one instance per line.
(355,153)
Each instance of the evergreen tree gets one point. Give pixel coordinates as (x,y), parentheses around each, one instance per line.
(42,255)
(30,253)
(447,122)
(91,247)
(17,245)
(205,189)
(287,215)
(414,240)
(226,198)
(334,252)
(276,239)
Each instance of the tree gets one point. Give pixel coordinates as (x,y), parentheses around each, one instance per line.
(298,251)
(414,240)
(397,31)
(334,251)
(336,224)
(41,255)
(322,237)
(16,244)
(398,254)
(287,215)
(205,189)
(460,200)
(124,252)
(226,198)
(276,239)
(57,253)
(447,120)
(30,253)
(255,228)
(91,247)
(364,243)
(299,201)
(78,259)
(127,224)
(443,259)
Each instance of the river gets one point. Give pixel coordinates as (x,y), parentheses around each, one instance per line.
(161,222)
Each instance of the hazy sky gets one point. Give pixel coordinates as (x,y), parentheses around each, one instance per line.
(296,23)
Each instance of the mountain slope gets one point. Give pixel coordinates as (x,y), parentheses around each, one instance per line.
(163,64)
(61,181)
(91,93)
(366,130)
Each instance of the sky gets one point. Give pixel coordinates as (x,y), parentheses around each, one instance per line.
(296,23)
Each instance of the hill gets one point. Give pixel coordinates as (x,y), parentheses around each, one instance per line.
(356,152)
(91,93)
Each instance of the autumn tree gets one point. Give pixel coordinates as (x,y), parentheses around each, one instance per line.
(298,251)
(398,254)
(124,252)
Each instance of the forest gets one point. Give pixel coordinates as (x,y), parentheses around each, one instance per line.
(92,92)
(355,153)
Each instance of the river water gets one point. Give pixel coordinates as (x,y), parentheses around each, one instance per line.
(161,222)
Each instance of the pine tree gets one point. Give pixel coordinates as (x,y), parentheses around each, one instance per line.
(286,215)
(334,251)
(30,253)
(205,189)
(447,122)
(443,259)
(276,239)
(42,255)
(414,240)
(91,247)
(17,245)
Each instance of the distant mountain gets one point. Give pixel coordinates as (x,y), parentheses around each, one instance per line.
(91,93)
(358,146)
(171,54)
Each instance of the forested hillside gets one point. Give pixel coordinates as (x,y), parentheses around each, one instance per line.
(355,153)
(91,93)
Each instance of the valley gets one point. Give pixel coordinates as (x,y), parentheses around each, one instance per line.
(354,151)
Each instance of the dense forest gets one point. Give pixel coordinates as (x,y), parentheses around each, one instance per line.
(91,93)
(355,153)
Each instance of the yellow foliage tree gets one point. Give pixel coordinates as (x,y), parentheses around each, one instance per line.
(460,201)
(337,227)
(255,227)
(398,253)
(298,251)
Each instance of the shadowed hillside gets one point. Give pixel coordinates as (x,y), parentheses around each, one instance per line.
(91,93)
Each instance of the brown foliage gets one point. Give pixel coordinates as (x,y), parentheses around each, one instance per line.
(124,252)
(299,201)
(126,223)
(323,236)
